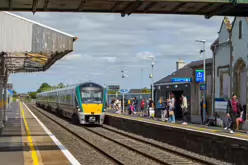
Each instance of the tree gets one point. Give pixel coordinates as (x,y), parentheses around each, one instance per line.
(112,92)
(60,85)
(146,90)
(44,87)
(32,94)
(15,93)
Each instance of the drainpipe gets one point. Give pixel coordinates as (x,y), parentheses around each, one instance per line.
(231,61)
(213,82)
(214,47)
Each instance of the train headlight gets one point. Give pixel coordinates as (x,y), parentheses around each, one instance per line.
(78,108)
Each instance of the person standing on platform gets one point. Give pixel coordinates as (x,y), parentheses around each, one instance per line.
(184,107)
(172,109)
(160,107)
(142,107)
(201,105)
(165,110)
(147,106)
(151,108)
(135,103)
(233,109)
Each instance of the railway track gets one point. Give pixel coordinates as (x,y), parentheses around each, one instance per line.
(80,137)
(194,158)
(169,156)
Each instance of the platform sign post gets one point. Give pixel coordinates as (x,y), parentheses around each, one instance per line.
(199,76)
(123,91)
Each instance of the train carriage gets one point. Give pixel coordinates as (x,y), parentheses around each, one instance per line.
(83,103)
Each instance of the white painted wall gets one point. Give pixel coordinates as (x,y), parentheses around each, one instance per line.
(222,57)
(240,46)
(240,50)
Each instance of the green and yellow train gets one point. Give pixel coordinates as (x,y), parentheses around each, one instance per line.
(83,103)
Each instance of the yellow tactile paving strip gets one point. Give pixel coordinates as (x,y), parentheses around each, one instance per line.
(42,149)
(240,136)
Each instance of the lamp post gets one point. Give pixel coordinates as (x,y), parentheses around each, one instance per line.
(204,78)
(151,76)
(123,76)
(106,92)
(141,78)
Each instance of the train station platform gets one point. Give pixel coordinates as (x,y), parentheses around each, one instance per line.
(213,142)
(25,140)
(196,127)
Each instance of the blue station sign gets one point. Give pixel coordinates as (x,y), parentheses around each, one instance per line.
(199,75)
(203,87)
(181,80)
(124,90)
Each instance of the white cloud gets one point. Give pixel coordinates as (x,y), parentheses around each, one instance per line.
(72,57)
(145,55)
(109,43)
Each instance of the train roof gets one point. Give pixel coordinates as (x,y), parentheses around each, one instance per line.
(70,87)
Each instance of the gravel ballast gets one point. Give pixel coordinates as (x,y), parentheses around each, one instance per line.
(81,151)
(171,147)
(119,152)
(87,155)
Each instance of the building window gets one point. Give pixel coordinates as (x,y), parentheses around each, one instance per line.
(224,85)
(240,29)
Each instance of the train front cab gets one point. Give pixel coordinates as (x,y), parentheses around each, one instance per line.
(92,104)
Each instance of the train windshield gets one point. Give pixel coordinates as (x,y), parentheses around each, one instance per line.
(92,95)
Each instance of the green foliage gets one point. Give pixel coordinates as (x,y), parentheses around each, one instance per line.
(146,90)
(113,92)
(15,93)
(44,87)
(61,85)
(32,95)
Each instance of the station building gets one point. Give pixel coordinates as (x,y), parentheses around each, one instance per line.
(182,81)
(230,64)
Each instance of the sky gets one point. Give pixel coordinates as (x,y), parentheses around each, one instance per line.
(109,43)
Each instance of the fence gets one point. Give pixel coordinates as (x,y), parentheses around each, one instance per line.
(127,96)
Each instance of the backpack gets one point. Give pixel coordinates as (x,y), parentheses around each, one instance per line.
(129,102)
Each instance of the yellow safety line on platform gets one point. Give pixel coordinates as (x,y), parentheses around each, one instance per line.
(179,126)
(32,146)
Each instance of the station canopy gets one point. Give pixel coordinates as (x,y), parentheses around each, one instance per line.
(208,8)
(29,46)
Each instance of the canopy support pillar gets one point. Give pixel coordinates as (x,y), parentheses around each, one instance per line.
(2,73)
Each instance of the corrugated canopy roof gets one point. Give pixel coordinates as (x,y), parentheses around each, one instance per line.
(29,46)
(208,8)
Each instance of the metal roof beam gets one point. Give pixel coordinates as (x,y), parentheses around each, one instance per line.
(174,9)
(222,9)
(204,8)
(10,5)
(81,6)
(34,6)
(131,8)
(149,6)
(116,5)
(46,5)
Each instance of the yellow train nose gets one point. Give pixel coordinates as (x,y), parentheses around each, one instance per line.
(92,108)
